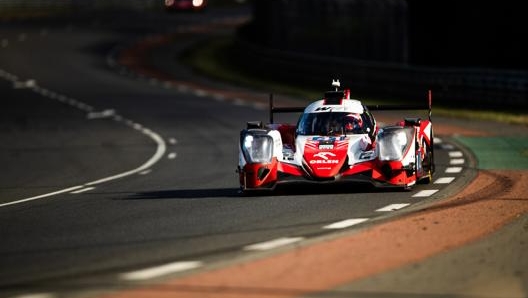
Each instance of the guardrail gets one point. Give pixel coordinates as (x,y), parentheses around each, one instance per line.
(457,87)
(28,5)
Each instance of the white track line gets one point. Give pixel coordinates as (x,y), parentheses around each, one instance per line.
(453,170)
(444,180)
(425,193)
(447,146)
(145,172)
(160,151)
(155,158)
(273,243)
(70,189)
(392,207)
(345,223)
(201,93)
(158,155)
(83,190)
(455,154)
(162,270)
(457,161)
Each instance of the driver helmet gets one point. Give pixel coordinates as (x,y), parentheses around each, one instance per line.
(353,122)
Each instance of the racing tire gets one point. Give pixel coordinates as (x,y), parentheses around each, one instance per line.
(428,162)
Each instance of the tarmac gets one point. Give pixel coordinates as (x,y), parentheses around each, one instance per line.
(472,244)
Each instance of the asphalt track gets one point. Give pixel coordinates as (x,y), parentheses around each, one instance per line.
(114,166)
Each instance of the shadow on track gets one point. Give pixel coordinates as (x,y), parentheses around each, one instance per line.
(186,194)
(292,189)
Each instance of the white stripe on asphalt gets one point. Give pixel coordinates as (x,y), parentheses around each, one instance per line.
(444,180)
(25,84)
(219,97)
(273,243)
(453,170)
(457,161)
(83,190)
(455,154)
(41,196)
(345,223)
(200,93)
(160,151)
(162,270)
(392,207)
(239,102)
(425,193)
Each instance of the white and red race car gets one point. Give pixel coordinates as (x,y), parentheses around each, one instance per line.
(336,139)
(185,5)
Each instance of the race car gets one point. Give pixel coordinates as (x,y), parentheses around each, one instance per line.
(185,5)
(337,139)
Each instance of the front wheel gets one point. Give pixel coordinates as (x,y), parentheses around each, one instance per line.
(428,166)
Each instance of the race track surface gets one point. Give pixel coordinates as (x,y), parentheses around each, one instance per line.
(119,181)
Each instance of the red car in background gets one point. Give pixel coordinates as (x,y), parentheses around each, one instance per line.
(185,5)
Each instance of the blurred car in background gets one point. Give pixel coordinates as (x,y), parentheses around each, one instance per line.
(185,5)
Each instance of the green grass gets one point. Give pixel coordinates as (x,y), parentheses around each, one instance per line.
(211,59)
(497,116)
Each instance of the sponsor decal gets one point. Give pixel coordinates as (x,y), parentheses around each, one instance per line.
(326,146)
(320,161)
(325,162)
(319,109)
(324,155)
(328,139)
(325,159)
(367,155)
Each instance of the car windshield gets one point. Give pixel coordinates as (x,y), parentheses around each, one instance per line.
(328,124)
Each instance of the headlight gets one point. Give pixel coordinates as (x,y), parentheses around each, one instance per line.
(258,148)
(392,144)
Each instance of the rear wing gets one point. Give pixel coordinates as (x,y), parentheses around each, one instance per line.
(273,109)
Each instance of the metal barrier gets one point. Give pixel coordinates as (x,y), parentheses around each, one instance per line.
(25,5)
(457,87)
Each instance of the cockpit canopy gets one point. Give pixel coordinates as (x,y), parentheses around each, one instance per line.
(336,114)
(331,124)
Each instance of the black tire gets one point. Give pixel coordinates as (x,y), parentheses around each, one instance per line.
(428,164)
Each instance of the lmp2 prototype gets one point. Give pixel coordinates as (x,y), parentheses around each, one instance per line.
(335,139)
